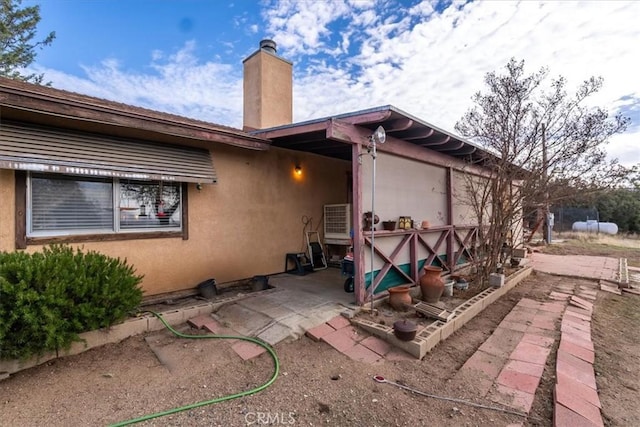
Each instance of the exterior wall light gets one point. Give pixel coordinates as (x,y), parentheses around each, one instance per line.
(298,170)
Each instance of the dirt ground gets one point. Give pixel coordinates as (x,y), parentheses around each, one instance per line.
(317,385)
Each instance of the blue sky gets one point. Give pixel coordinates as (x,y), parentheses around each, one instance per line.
(425,57)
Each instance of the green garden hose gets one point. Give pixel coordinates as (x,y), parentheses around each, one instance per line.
(276,370)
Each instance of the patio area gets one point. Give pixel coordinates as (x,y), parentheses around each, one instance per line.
(294,305)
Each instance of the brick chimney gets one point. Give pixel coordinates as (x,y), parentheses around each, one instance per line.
(267,89)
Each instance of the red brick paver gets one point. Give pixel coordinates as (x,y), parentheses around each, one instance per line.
(339,340)
(517,399)
(247,350)
(576,350)
(338,322)
(531,353)
(579,389)
(363,354)
(518,380)
(565,417)
(377,345)
(576,371)
(198,322)
(317,332)
(578,405)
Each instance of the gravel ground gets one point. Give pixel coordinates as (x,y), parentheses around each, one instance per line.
(316,386)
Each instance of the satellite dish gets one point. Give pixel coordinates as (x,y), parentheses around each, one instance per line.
(379,136)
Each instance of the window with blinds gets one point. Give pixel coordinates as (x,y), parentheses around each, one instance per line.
(59,205)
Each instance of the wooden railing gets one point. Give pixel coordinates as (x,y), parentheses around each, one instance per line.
(465,236)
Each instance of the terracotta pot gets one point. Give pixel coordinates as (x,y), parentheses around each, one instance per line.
(398,297)
(425,224)
(431,284)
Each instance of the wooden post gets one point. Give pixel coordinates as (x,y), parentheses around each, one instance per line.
(356,221)
(451,238)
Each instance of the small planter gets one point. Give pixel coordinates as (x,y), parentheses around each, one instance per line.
(389,225)
(405,330)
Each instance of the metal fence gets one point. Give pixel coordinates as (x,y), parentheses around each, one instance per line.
(566,216)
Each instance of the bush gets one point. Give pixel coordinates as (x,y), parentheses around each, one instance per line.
(48,298)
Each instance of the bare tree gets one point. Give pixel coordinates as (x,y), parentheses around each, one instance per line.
(546,143)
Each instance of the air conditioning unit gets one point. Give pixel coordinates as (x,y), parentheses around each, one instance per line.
(337,224)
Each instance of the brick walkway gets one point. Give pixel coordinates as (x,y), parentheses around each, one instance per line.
(507,368)
(576,400)
(587,267)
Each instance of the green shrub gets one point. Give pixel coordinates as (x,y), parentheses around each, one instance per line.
(48,298)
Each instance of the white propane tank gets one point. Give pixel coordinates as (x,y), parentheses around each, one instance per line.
(593,226)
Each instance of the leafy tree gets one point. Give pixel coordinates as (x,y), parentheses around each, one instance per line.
(547,144)
(17,48)
(621,206)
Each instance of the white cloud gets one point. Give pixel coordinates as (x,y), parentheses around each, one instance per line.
(441,60)
(181,85)
(354,54)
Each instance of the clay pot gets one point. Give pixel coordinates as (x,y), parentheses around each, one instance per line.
(405,330)
(398,297)
(425,224)
(431,284)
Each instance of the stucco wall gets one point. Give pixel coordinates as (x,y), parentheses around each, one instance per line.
(7,210)
(240,227)
(467,190)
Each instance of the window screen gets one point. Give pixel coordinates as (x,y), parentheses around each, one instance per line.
(61,205)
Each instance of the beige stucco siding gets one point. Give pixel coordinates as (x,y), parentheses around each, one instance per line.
(240,227)
(7,210)
(469,190)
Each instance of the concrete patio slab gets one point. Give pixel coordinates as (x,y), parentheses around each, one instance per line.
(588,267)
(244,320)
(275,333)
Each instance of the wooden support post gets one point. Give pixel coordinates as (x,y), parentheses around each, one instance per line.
(356,221)
(450,239)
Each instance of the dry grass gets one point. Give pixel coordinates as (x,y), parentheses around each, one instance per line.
(626,241)
(573,243)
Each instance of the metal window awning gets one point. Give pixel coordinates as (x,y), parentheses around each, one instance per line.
(27,147)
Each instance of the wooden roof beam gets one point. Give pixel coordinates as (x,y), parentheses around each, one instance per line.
(352,134)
